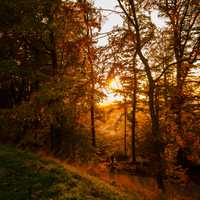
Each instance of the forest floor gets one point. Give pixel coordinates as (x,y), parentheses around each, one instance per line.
(132,183)
(25,176)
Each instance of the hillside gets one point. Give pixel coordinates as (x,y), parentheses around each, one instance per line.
(26,176)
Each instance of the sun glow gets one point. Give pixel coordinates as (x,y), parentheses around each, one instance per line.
(115,84)
(112,96)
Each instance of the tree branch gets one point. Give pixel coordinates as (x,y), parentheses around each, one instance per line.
(125,12)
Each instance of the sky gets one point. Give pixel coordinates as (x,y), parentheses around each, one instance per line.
(114,19)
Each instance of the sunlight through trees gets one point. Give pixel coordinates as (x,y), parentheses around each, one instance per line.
(117,87)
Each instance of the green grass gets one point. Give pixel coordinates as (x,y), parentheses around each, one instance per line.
(25,176)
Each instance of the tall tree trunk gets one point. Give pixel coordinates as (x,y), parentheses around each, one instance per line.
(92,114)
(179,98)
(166,85)
(92,108)
(179,81)
(92,80)
(125,126)
(158,148)
(133,120)
(157,145)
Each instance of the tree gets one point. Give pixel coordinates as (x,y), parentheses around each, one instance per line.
(184,19)
(140,40)
(52,45)
(28,37)
(121,62)
(183,38)
(134,105)
(90,55)
(91,19)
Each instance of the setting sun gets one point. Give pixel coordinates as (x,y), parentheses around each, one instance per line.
(115,84)
(111,92)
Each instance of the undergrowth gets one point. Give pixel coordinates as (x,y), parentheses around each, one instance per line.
(25,176)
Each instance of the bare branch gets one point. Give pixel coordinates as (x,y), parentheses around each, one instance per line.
(109,10)
(125,12)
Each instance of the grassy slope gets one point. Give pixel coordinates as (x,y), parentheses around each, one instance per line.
(25,176)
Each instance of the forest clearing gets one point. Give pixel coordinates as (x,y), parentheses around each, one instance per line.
(100,99)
